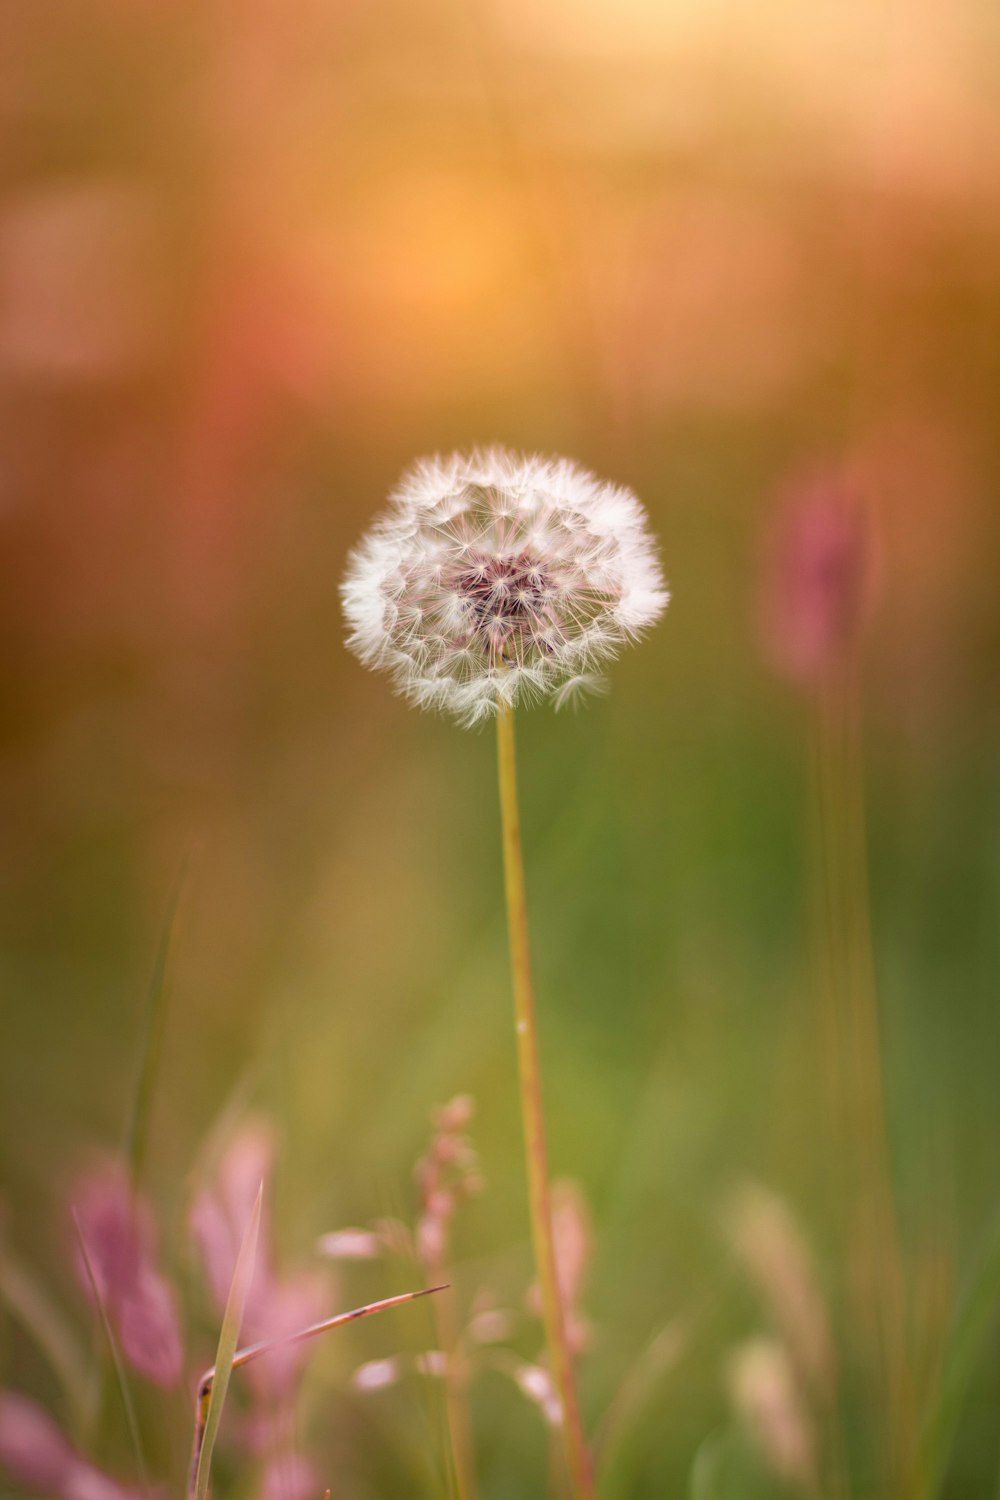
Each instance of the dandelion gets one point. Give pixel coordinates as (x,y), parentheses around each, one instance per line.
(493,580)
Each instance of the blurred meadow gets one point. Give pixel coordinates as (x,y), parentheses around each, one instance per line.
(255,257)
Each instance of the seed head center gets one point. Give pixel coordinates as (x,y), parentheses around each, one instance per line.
(502,589)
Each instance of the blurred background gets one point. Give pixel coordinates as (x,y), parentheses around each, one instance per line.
(257,255)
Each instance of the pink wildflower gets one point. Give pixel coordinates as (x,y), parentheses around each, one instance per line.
(278,1305)
(119,1234)
(35,1454)
(818,577)
(222,1211)
(289,1476)
(447,1175)
(573,1235)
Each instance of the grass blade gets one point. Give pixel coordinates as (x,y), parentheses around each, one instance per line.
(40,1317)
(974,1323)
(153,1028)
(116,1359)
(660,1356)
(214,1385)
(219,1374)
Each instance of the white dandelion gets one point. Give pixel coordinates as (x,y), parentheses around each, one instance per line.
(490,580)
(494,579)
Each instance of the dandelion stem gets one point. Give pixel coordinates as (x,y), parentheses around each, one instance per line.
(577,1455)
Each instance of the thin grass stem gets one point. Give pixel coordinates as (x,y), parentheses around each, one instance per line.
(864,1112)
(154,1024)
(213,1387)
(577,1455)
(456,1406)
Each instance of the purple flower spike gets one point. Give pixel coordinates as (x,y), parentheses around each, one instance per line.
(278,1307)
(147,1325)
(119,1234)
(221,1212)
(289,1476)
(32,1449)
(35,1454)
(818,578)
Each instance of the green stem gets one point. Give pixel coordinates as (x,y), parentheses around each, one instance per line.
(577,1455)
(455,1382)
(864,1111)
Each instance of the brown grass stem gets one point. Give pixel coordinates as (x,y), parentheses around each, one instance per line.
(577,1455)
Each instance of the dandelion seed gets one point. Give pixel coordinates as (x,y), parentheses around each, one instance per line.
(495,578)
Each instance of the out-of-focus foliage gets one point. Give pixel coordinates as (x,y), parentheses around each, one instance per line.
(254,257)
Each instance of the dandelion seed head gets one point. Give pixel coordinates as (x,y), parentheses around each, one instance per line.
(495,578)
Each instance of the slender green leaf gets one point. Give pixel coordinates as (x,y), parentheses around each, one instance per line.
(214,1385)
(116,1359)
(660,1356)
(711,1469)
(151,1043)
(725,1468)
(975,1320)
(42,1319)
